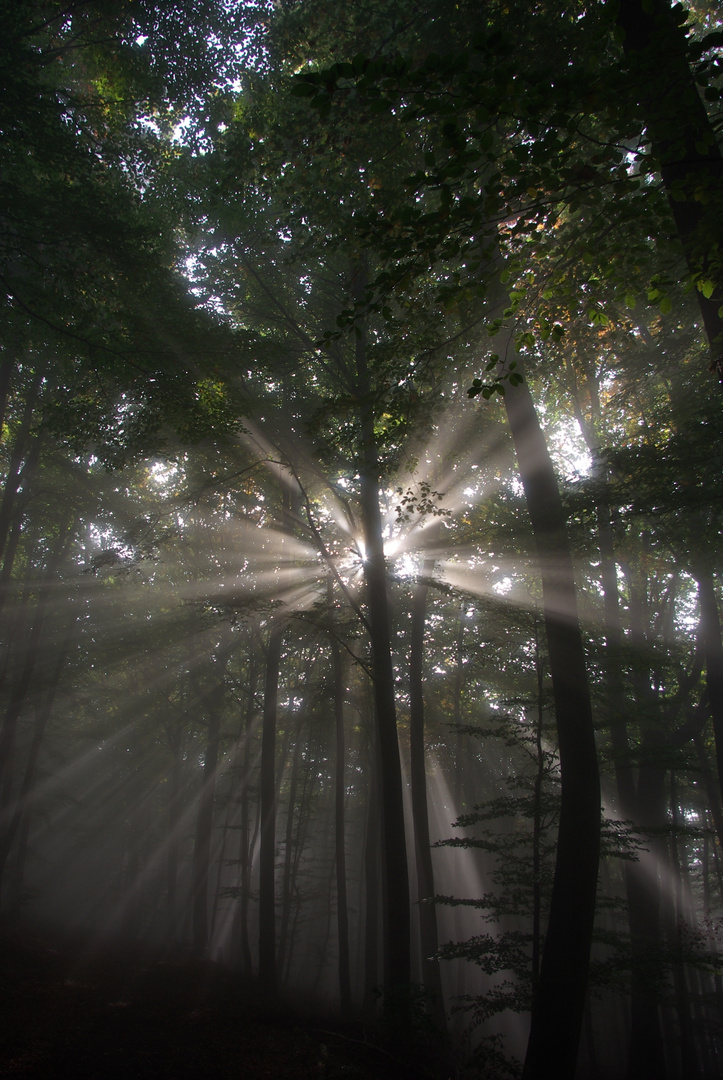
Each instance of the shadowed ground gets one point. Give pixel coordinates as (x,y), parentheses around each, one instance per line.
(125,1012)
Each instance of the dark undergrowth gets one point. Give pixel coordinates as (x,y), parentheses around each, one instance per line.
(71,1007)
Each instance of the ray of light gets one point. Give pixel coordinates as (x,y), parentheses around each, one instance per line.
(485,580)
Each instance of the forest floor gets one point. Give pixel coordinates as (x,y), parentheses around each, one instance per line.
(69,1008)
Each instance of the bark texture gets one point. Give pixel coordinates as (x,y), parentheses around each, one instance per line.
(558,1008)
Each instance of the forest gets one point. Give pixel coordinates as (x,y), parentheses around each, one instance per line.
(360,375)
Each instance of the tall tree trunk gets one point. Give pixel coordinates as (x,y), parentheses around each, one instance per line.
(30,655)
(646,1059)
(690,1066)
(246,842)
(204,824)
(20,822)
(394,846)
(342,910)
(372,843)
(642,797)
(537,820)
(461,781)
(558,1008)
(286,880)
(613,633)
(712,788)
(713,654)
(308,784)
(174,840)
(431,975)
(267,853)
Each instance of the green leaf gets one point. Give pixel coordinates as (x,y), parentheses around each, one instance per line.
(302,86)
(630,299)
(666,305)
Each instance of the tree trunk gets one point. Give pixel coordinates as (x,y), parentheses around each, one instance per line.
(23,459)
(431,975)
(713,653)
(30,655)
(646,1059)
(641,798)
(174,839)
(614,688)
(308,784)
(712,789)
(537,820)
(342,910)
(558,1008)
(246,843)
(7,370)
(204,825)
(372,843)
(394,846)
(20,822)
(286,880)
(690,1065)
(267,853)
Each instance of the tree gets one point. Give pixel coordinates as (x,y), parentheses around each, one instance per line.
(667,74)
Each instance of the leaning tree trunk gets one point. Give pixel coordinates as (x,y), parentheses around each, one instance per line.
(558,1008)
